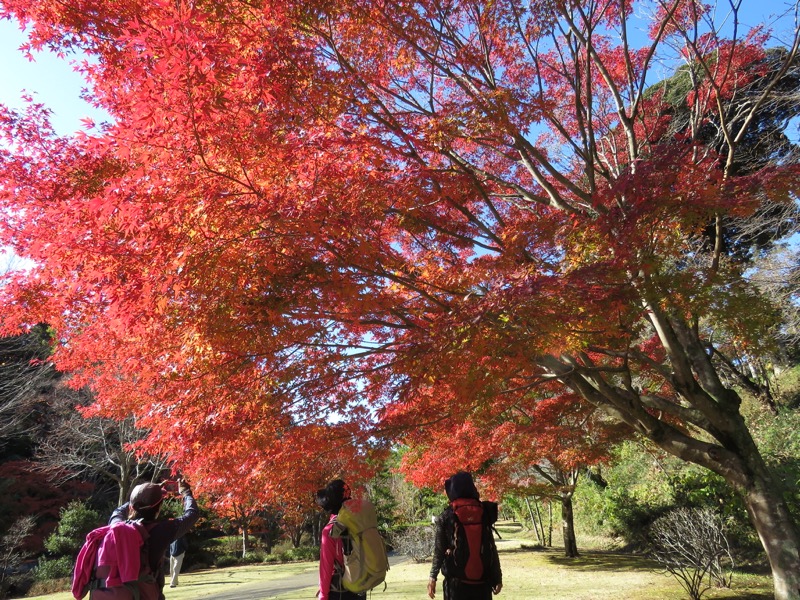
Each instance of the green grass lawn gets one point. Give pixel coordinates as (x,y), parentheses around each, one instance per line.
(540,575)
(527,574)
(207,582)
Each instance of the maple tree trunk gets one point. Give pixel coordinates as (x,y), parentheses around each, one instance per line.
(296,535)
(778,534)
(739,461)
(727,448)
(568,526)
(743,467)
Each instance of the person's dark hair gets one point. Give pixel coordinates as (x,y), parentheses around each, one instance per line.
(461,485)
(332,496)
(149,514)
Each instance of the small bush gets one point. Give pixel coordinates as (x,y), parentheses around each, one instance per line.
(198,557)
(297,554)
(253,557)
(416,542)
(56,568)
(690,545)
(50,586)
(76,520)
(226,560)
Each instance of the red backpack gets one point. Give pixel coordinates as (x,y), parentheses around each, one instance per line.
(114,563)
(470,555)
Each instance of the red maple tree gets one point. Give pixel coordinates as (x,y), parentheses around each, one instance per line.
(525,445)
(309,207)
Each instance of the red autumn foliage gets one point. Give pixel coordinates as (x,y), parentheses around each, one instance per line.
(24,491)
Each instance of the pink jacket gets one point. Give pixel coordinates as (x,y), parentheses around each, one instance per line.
(120,552)
(115,547)
(331,553)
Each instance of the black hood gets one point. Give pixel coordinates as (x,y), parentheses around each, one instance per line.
(461,485)
(333,495)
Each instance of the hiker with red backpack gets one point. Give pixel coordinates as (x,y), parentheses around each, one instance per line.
(464,548)
(124,560)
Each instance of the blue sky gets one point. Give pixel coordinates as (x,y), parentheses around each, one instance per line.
(50,78)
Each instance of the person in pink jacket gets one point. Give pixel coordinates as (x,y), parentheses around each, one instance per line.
(331,550)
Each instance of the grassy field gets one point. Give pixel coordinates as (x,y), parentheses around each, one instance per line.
(527,574)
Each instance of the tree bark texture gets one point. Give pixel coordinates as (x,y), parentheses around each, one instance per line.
(568,526)
(715,434)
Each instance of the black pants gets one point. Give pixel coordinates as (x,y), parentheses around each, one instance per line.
(458,590)
(345,595)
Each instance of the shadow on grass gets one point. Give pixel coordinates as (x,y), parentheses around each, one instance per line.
(598,561)
(216,582)
(595,560)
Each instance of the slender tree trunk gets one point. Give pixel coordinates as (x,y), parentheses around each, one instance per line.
(125,485)
(541,522)
(568,526)
(550,524)
(316,534)
(297,535)
(533,521)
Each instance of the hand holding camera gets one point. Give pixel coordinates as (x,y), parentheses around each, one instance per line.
(183,486)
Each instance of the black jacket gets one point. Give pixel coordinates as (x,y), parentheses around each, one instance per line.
(163,533)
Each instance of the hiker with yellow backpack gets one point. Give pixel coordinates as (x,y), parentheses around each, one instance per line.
(352,554)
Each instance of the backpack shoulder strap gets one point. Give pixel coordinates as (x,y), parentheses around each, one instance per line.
(146,573)
(142,528)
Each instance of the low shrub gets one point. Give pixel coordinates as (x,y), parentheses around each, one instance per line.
(195,558)
(56,568)
(253,557)
(297,554)
(416,542)
(272,558)
(50,586)
(226,560)
(690,544)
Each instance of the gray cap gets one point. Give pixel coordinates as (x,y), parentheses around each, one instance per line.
(146,495)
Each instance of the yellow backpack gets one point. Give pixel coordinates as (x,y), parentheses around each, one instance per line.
(365,559)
